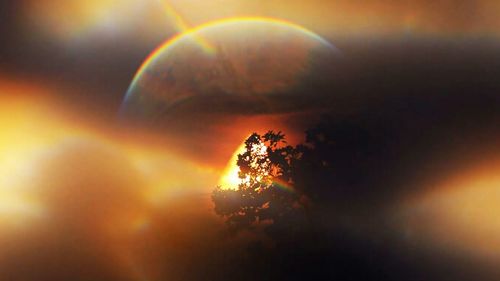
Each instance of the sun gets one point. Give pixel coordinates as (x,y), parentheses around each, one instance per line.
(230,178)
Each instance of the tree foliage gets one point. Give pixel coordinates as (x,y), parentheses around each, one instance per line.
(284,187)
(265,195)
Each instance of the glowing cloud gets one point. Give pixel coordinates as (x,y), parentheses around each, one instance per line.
(64,179)
(466,205)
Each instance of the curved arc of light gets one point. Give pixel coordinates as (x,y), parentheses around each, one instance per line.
(177,38)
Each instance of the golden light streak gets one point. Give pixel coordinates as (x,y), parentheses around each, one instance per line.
(24,139)
(178,21)
(70,178)
(33,130)
(182,26)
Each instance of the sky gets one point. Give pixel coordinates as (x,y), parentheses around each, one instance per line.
(106,41)
(420,76)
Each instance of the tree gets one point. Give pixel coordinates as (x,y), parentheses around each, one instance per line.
(286,188)
(312,228)
(265,196)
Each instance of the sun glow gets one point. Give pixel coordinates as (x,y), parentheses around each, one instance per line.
(230,178)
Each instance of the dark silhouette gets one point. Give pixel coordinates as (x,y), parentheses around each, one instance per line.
(265,196)
(286,188)
(348,176)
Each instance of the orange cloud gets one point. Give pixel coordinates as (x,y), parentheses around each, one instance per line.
(81,196)
(461,212)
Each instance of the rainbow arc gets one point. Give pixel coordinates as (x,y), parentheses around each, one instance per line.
(194,33)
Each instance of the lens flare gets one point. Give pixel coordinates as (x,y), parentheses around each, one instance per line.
(181,25)
(193,35)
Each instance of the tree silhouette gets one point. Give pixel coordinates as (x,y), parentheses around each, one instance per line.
(265,195)
(286,188)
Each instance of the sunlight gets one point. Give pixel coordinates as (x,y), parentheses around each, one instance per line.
(230,178)
(24,139)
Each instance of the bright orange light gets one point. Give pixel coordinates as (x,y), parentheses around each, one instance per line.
(25,138)
(60,175)
(230,178)
(463,212)
(32,131)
